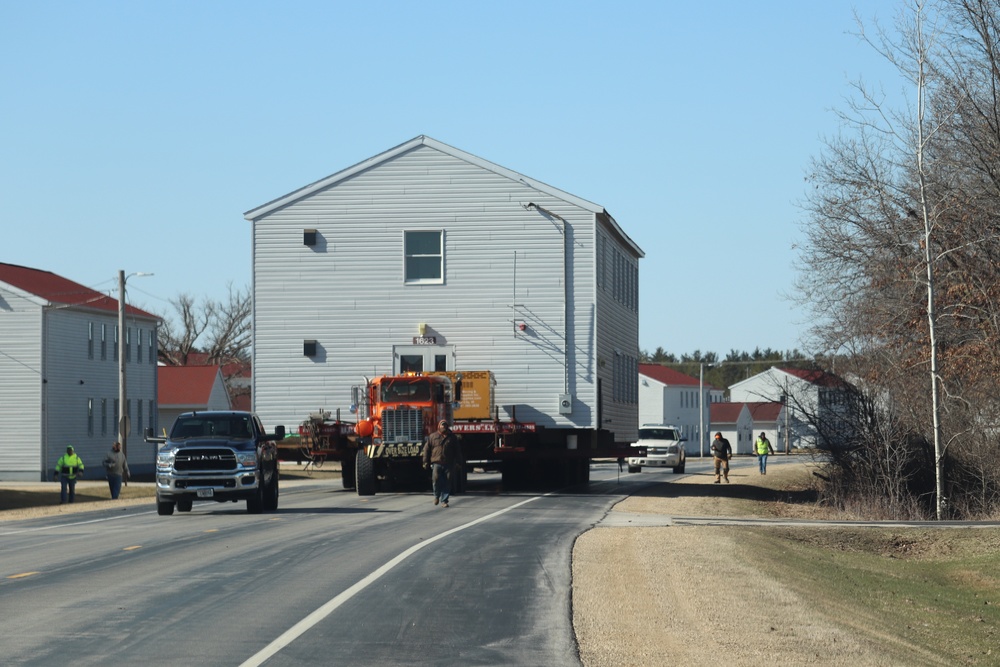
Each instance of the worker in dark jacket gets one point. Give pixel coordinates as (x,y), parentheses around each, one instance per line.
(722,451)
(440,454)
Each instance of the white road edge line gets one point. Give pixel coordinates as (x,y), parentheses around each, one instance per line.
(315,617)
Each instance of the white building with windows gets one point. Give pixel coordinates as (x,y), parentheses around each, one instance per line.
(426,257)
(59,375)
(811,397)
(667,396)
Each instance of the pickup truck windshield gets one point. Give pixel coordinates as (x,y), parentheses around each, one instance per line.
(211,427)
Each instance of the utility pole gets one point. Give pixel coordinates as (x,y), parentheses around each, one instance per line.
(124,424)
(701,409)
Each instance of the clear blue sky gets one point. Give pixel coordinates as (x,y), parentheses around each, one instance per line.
(134,135)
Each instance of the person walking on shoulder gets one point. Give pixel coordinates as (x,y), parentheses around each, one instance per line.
(117,469)
(69,468)
(440,454)
(762,448)
(722,451)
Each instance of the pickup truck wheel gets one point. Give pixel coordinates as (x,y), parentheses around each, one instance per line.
(184,505)
(164,508)
(271,494)
(255,503)
(365,474)
(679,469)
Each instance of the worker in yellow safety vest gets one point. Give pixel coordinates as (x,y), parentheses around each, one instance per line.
(69,468)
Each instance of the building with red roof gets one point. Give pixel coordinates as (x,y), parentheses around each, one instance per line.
(667,396)
(189,388)
(59,374)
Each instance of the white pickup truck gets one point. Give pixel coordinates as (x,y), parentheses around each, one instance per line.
(664,448)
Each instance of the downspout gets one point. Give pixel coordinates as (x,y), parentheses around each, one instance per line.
(565,268)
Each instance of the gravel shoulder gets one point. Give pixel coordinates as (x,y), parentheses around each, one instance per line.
(688,595)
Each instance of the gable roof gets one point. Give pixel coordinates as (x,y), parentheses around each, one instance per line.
(187,386)
(816,377)
(423,140)
(766,411)
(49,289)
(724,413)
(668,376)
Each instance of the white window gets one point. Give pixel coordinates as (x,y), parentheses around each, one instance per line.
(104,341)
(90,416)
(90,340)
(423,257)
(138,346)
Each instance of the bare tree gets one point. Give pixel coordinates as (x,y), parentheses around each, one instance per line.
(218,329)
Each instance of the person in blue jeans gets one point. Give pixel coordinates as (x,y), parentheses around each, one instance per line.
(440,454)
(117,469)
(69,468)
(762,448)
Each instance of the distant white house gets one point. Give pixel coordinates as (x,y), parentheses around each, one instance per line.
(188,388)
(59,374)
(427,258)
(811,397)
(733,421)
(667,396)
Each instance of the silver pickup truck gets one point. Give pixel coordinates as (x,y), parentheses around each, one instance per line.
(220,456)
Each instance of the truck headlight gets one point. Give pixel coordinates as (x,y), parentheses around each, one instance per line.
(247,459)
(165,459)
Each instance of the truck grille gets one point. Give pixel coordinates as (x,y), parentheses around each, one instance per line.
(402,425)
(204,459)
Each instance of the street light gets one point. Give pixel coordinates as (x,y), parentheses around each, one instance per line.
(123,418)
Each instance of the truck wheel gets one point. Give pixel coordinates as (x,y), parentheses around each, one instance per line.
(164,508)
(679,469)
(255,503)
(184,505)
(635,468)
(271,494)
(364,474)
(347,473)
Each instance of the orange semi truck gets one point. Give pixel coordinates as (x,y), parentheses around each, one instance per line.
(395,413)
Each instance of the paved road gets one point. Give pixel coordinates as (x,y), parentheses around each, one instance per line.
(385,580)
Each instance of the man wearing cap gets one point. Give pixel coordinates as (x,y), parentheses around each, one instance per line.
(68,468)
(440,454)
(721,453)
(762,448)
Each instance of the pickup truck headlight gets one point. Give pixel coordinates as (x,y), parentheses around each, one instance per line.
(247,459)
(165,459)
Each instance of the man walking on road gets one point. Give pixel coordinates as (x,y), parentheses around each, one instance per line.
(440,454)
(69,467)
(117,469)
(721,453)
(762,448)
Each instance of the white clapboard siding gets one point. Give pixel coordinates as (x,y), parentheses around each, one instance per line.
(21,386)
(503,265)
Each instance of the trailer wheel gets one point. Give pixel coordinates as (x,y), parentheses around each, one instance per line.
(348,475)
(184,505)
(635,468)
(164,508)
(364,474)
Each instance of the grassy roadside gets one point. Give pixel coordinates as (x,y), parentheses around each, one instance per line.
(928,594)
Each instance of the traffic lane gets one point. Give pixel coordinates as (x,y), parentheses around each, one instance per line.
(496,592)
(211,586)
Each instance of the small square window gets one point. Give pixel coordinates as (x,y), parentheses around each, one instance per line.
(309,237)
(309,348)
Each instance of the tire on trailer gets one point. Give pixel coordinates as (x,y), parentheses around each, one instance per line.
(184,505)
(164,508)
(364,472)
(635,468)
(348,473)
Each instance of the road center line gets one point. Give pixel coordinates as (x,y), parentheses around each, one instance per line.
(315,617)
